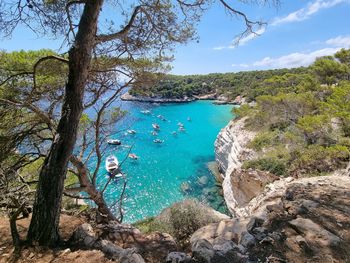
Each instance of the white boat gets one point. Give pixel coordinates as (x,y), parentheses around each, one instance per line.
(182,129)
(112,166)
(154,133)
(155,126)
(158,141)
(174,133)
(145,111)
(131,131)
(114,142)
(189,119)
(133,156)
(180,124)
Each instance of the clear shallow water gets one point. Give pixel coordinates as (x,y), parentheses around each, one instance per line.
(156,179)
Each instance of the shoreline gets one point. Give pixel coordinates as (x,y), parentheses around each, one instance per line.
(216,100)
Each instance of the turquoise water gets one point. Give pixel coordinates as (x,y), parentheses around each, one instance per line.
(157,178)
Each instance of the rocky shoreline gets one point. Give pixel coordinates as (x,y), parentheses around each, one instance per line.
(243,189)
(219,100)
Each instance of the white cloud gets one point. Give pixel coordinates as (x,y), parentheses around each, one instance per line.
(294,59)
(242,65)
(251,36)
(219,48)
(340,41)
(306,12)
(244,40)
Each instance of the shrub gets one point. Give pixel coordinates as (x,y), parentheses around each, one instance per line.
(317,159)
(262,140)
(180,220)
(270,164)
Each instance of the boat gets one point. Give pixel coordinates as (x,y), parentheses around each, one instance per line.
(182,129)
(154,133)
(174,133)
(180,124)
(161,117)
(189,119)
(114,142)
(133,156)
(145,111)
(112,166)
(155,126)
(158,141)
(131,131)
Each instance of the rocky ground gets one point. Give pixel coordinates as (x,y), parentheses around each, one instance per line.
(308,223)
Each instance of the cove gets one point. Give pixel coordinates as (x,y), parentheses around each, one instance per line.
(163,171)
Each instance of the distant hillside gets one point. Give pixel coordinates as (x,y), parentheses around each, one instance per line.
(250,84)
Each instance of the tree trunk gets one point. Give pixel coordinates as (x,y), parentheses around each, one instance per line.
(43,227)
(90,188)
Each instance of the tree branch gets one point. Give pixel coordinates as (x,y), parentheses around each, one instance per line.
(122,33)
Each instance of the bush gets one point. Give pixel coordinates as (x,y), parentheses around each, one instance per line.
(270,164)
(180,220)
(262,140)
(317,159)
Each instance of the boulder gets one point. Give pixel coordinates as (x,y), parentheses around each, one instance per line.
(203,251)
(178,257)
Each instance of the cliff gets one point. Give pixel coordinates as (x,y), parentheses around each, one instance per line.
(239,186)
(244,190)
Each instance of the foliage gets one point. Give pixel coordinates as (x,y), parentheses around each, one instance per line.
(249,84)
(309,126)
(270,164)
(316,159)
(181,220)
(329,70)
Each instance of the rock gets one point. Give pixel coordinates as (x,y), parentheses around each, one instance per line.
(130,256)
(178,257)
(215,233)
(84,236)
(247,240)
(259,233)
(315,232)
(228,252)
(254,222)
(203,251)
(185,187)
(203,180)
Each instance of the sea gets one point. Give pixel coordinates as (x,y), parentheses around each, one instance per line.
(174,169)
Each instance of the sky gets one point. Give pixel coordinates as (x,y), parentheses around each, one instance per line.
(297,32)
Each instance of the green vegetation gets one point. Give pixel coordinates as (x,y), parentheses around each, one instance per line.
(180,220)
(303,129)
(249,84)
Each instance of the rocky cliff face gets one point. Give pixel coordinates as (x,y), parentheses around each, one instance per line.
(239,186)
(230,145)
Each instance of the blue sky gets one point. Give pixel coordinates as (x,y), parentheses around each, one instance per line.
(297,32)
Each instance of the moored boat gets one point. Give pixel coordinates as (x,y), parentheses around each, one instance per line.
(114,142)
(133,156)
(155,126)
(158,141)
(131,131)
(112,166)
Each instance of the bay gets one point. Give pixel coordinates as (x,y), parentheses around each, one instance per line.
(164,170)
